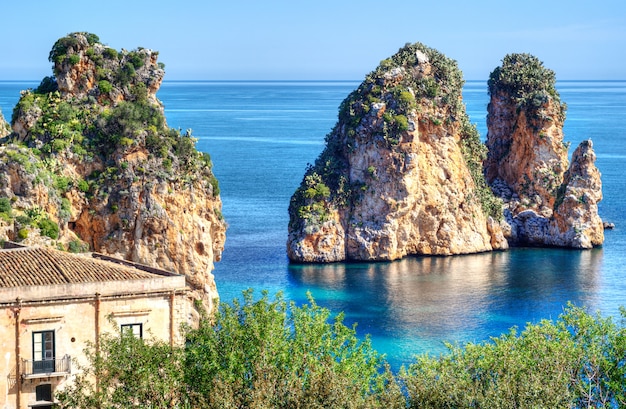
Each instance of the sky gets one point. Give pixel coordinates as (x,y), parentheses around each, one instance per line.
(321,39)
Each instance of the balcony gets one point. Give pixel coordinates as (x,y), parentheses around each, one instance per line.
(47,368)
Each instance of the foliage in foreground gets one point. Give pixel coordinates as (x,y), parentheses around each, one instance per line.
(131,373)
(577,362)
(274,354)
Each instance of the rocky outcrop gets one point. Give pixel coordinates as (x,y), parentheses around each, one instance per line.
(5,128)
(401,172)
(92,165)
(546,203)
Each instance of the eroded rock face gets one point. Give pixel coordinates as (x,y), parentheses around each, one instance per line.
(546,204)
(576,222)
(101,164)
(5,128)
(401,172)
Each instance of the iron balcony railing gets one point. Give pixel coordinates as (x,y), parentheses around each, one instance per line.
(47,367)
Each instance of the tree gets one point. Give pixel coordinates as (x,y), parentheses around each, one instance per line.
(131,373)
(578,361)
(277,355)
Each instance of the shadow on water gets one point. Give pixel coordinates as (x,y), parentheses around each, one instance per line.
(428,300)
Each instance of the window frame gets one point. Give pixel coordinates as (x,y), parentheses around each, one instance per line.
(44,351)
(132,327)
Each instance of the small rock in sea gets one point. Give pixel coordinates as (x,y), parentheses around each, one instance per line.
(608,225)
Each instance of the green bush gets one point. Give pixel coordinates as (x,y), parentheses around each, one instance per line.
(135,59)
(579,361)
(91,38)
(274,354)
(125,142)
(5,209)
(140,92)
(524,77)
(60,48)
(104,86)
(83,186)
(401,123)
(132,373)
(77,246)
(48,228)
(47,85)
(110,53)
(59,145)
(5,205)
(22,233)
(62,183)
(74,59)
(215,185)
(125,74)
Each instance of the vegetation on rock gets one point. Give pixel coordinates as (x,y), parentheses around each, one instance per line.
(524,78)
(107,122)
(91,151)
(527,161)
(272,354)
(409,104)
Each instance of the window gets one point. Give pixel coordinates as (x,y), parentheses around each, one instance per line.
(43,393)
(134,329)
(43,351)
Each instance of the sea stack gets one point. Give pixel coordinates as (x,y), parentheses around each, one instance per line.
(91,165)
(401,172)
(547,201)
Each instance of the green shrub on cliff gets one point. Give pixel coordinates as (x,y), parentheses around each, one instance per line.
(5,209)
(525,78)
(105,86)
(48,228)
(474,153)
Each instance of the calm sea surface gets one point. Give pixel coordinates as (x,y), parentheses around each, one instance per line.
(261,135)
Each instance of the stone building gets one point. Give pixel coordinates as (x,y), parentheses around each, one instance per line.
(53,303)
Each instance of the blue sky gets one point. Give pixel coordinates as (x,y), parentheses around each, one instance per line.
(321,39)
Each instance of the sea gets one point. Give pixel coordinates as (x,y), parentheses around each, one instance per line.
(262,134)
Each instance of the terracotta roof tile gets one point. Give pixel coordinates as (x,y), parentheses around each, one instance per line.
(31,266)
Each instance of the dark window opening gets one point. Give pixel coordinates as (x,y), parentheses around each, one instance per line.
(43,392)
(133,329)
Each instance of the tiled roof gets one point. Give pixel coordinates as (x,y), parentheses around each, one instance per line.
(33,266)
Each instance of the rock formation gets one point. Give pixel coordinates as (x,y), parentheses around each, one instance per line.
(92,165)
(5,128)
(401,172)
(546,204)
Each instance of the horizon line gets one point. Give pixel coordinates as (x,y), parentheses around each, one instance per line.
(315,80)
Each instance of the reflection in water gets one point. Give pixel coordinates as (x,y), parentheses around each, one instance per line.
(428,300)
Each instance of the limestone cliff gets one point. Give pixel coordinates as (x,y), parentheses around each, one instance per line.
(5,128)
(92,165)
(401,172)
(527,165)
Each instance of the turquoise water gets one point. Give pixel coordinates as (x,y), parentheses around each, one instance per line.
(261,135)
